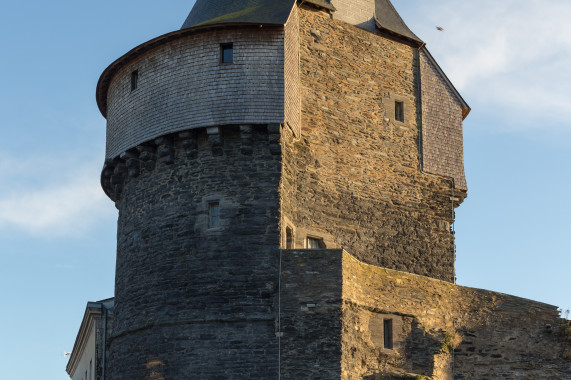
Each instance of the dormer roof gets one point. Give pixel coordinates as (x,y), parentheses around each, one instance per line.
(388,20)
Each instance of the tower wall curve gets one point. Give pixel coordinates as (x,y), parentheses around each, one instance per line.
(182,84)
(197,257)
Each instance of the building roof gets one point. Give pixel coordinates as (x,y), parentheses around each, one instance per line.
(388,20)
(209,12)
(92,311)
(267,12)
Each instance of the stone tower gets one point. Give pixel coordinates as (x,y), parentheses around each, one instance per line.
(259,129)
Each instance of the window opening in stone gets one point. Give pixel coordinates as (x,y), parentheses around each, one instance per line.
(134,80)
(214,214)
(289,238)
(226,53)
(388,333)
(314,243)
(399,111)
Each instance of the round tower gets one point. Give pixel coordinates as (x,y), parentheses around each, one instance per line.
(193,166)
(212,173)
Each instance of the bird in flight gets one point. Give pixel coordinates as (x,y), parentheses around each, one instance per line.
(440,28)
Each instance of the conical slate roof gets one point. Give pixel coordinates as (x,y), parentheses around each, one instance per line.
(388,19)
(211,12)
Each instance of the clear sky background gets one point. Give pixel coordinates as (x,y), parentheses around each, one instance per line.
(511,60)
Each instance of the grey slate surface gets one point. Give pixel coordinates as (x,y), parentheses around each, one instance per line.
(387,18)
(211,12)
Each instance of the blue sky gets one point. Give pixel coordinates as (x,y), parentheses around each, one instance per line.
(510,61)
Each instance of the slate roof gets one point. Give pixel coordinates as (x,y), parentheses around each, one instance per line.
(211,12)
(388,19)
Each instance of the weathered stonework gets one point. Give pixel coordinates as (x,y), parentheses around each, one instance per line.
(354,178)
(184,288)
(441,331)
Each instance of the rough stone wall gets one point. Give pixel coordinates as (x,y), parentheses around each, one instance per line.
(292,106)
(182,85)
(442,141)
(194,301)
(440,330)
(310,311)
(487,335)
(354,178)
(357,12)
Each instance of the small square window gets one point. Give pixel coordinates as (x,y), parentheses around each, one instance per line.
(388,333)
(399,111)
(134,80)
(213,214)
(226,53)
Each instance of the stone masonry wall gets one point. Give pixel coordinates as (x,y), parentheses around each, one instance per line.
(310,310)
(476,334)
(183,85)
(194,301)
(354,178)
(442,141)
(440,330)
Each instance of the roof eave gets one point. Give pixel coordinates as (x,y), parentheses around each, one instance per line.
(320,4)
(105,78)
(399,37)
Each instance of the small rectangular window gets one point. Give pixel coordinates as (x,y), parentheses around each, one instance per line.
(399,111)
(289,238)
(214,214)
(314,243)
(226,53)
(388,333)
(134,80)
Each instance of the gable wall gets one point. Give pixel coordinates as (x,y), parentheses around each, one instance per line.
(354,178)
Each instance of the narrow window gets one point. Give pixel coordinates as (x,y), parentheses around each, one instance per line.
(289,238)
(399,111)
(314,243)
(134,80)
(226,53)
(388,333)
(214,214)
